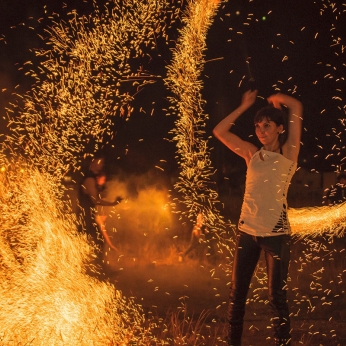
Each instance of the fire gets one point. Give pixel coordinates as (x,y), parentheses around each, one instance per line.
(84,80)
(327,221)
(184,80)
(46,293)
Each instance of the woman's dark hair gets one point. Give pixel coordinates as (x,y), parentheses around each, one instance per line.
(270,113)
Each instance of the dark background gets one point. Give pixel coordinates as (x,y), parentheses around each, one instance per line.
(291,46)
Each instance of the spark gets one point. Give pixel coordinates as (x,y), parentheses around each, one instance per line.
(183,78)
(48,295)
(82,85)
(327,221)
(44,286)
(73,100)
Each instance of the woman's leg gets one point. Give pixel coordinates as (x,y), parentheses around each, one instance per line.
(277,254)
(245,259)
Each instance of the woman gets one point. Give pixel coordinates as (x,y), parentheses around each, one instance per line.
(263,223)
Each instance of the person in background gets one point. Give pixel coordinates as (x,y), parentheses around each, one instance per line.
(263,223)
(90,200)
(198,231)
(201,237)
(336,194)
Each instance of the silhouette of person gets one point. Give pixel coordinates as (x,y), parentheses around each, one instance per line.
(196,236)
(101,215)
(200,235)
(91,201)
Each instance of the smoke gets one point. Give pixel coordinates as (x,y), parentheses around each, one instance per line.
(143,225)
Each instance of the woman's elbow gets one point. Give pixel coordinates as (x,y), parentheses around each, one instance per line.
(220,134)
(217,133)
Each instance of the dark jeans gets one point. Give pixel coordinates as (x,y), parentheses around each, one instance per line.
(277,256)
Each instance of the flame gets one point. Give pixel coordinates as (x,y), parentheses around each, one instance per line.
(47,297)
(45,288)
(47,293)
(327,221)
(183,78)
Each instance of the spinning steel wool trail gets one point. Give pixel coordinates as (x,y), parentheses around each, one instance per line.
(46,296)
(184,80)
(327,221)
(79,87)
(84,79)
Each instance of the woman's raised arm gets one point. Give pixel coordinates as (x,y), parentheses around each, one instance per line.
(233,142)
(295,116)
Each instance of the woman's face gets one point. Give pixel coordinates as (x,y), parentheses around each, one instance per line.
(267,131)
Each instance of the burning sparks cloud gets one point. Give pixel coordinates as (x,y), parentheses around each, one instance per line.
(184,80)
(45,292)
(44,288)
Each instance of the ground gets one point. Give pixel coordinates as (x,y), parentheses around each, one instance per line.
(201,289)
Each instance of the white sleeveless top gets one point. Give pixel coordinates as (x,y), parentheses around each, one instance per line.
(264,209)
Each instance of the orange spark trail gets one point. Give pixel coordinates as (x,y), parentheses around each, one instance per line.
(327,221)
(183,79)
(46,296)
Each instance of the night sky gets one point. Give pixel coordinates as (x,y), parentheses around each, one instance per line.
(291,46)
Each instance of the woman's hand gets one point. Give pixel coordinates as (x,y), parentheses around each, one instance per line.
(295,117)
(222,131)
(277,100)
(118,200)
(249,98)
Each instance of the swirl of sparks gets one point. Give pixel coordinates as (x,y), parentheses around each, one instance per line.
(44,288)
(307,223)
(79,87)
(183,79)
(84,80)
(327,221)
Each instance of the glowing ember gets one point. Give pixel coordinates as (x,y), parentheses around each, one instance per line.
(184,81)
(46,293)
(318,221)
(44,286)
(86,77)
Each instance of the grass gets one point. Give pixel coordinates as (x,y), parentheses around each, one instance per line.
(316,295)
